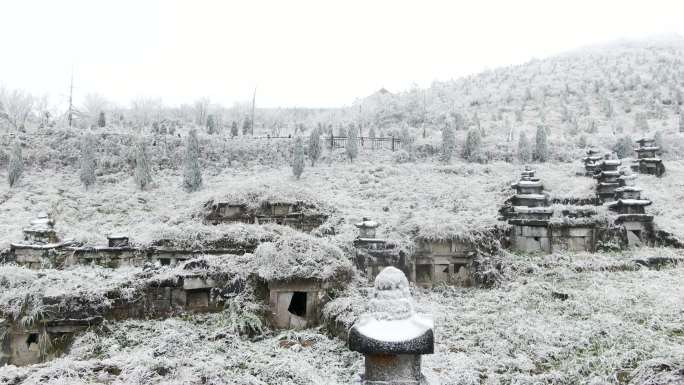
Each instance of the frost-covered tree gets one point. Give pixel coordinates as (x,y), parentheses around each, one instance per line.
(448,143)
(371,132)
(315,147)
(101,121)
(142,174)
(192,175)
(681,123)
(298,160)
(211,124)
(582,143)
(246,125)
(624,147)
(472,151)
(87,171)
(352,144)
(658,140)
(541,148)
(640,122)
(524,150)
(234,129)
(16,164)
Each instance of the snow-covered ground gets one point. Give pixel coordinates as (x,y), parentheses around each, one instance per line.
(560,319)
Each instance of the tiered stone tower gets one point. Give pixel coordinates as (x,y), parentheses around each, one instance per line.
(391,335)
(607,178)
(631,211)
(647,161)
(591,161)
(530,214)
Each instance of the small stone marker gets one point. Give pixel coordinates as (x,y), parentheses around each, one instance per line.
(391,335)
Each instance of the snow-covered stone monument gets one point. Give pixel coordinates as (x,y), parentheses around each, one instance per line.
(391,335)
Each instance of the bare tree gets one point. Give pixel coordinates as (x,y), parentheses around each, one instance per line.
(93,104)
(201,110)
(145,110)
(15,107)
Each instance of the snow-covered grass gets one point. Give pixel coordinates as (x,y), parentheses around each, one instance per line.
(427,197)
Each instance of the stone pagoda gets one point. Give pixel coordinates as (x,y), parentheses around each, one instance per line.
(607,178)
(530,214)
(41,231)
(391,335)
(372,253)
(591,161)
(630,208)
(647,161)
(529,190)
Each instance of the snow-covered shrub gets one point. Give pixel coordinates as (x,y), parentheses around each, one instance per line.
(315,146)
(142,174)
(87,172)
(301,256)
(192,175)
(16,164)
(298,158)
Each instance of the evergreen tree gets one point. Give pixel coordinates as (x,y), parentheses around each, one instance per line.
(298,161)
(352,144)
(315,147)
(234,129)
(371,132)
(16,164)
(87,172)
(448,143)
(472,151)
(541,149)
(211,124)
(582,141)
(192,176)
(524,151)
(246,126)
(640,122)
(658,141)
(101,121)
(142,174)
(624,147)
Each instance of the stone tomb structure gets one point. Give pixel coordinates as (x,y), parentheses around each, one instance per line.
(186,291)
(391,335)
(537,227)
(630,210)
(299,215)
(446,261)
(647,161)
(374,254)
(296,304)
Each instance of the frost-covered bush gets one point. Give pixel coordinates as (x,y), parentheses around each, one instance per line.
(448,143)
(352,146)
(472,150)
(301,256)
(192,175)
(298,158)
(87,172)
(16,164)
(401,156)
(624,148)
(541,148)
(315,146)
(142,174)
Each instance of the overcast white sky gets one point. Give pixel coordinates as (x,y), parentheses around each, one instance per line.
(300,53)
